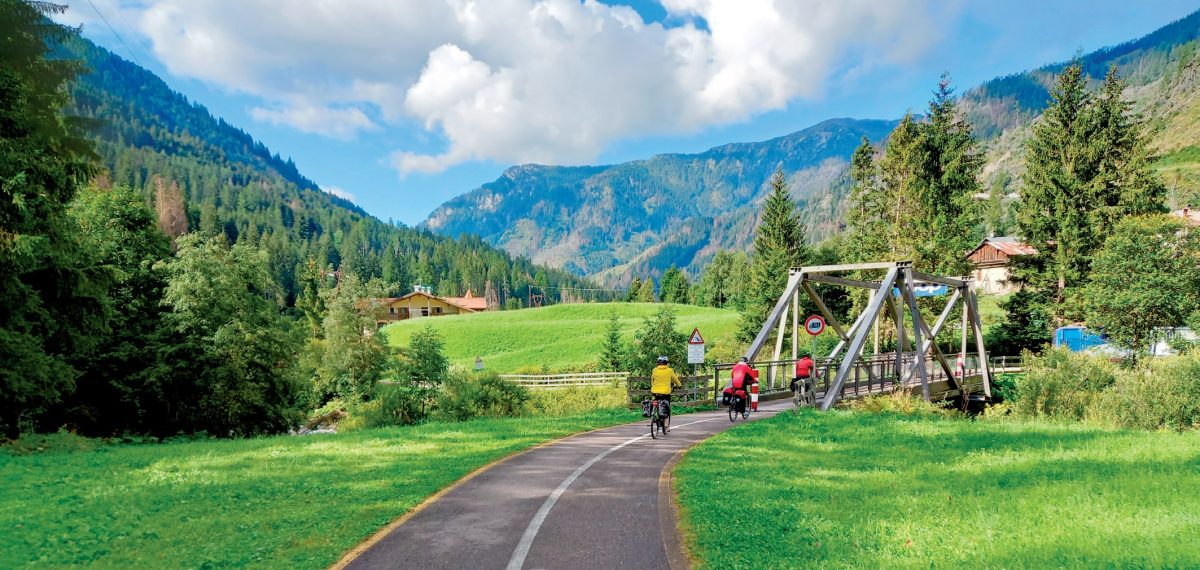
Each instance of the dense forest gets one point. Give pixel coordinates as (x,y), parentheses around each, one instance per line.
(163,273)
(152,139)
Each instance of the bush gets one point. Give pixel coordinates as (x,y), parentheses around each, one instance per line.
(389,405)
(469,395)
(577,399)
(900,403)
(1165,394)
(1064,384)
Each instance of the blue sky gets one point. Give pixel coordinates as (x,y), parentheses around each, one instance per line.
(403,104)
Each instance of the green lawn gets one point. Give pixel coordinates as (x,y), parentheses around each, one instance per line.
(558,337)
(861,490)
(273,502)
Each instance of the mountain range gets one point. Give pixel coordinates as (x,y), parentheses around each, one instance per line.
(638,218)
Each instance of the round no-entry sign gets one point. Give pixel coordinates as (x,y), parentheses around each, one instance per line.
(815,325)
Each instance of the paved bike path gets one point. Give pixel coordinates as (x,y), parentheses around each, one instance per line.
(587,501)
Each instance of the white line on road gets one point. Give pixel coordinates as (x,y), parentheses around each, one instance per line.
(518,557)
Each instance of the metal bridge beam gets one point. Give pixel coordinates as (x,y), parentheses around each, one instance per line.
(860,337)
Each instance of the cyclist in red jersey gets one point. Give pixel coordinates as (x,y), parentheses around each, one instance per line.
(805,369)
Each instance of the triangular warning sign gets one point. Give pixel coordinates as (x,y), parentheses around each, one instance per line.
(696,338)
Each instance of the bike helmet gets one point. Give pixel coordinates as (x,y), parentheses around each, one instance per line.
(662,360)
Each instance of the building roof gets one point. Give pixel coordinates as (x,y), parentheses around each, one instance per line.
(469,307)
(1190,215)
(468,301)
(1007,244)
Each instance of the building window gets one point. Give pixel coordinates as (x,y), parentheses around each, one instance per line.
(425,312)
(392,310)
(437,310)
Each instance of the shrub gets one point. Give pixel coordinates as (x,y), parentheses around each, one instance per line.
(900,403)
(577,399)
(1004,386)
(1165,394)
(469,395)
(389,405)
(1060,383)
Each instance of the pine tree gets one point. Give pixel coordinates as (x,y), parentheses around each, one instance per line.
(779,245)
(635,287)
(52,296)
(866,217)
(1086,168)
(674,285)
(949,181)
(612,352)
(646,293)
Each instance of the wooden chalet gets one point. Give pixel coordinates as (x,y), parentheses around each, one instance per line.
(990,263)
(423,303)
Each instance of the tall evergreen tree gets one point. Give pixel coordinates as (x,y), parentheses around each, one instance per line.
(1086,168)
(612,352)
(867,216)
(645,293)
(779,244)
(52,297)
(635,286)
(949,181)
(674,285)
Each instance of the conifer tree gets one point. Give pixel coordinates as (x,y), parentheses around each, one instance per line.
(645,293)
(53,303)
(635,287)
(949,181)
(1086,168)
(779,244)
(612,352)
(866,218)
(674,285)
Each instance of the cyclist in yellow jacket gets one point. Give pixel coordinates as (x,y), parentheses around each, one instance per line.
(662,380)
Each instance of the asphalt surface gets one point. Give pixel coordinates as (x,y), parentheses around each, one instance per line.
(587,501)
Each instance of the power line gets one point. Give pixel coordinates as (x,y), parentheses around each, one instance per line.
(115,33)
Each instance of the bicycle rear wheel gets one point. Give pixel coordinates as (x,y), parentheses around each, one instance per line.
(733,414)
(654,422)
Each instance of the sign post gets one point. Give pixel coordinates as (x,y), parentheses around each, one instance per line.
(814,325)
(695,349)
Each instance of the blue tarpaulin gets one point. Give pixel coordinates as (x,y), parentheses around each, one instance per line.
(924,291)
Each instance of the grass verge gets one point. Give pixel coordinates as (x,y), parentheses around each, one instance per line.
(862,490)
(273,502)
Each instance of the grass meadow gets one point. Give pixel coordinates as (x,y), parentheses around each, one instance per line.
(272,502)
(869,490)
(558,337)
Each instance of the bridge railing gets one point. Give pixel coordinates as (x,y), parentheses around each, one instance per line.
(870,374)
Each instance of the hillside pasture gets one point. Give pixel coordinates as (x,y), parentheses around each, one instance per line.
(556,338)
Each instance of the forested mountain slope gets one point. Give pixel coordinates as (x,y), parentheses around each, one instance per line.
(639,217)
(149,136)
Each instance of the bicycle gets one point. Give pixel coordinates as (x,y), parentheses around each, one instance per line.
(660,422)
(738,406)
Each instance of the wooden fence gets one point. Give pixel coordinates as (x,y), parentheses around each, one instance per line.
(696,390)
(567,380)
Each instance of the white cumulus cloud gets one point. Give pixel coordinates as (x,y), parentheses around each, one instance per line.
(514,81)
(336,191)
